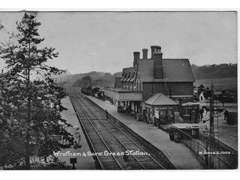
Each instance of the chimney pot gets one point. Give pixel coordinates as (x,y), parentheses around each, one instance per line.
(145,51)
(136,57)
(155,49)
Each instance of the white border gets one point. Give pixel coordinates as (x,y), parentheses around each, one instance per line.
(123,5)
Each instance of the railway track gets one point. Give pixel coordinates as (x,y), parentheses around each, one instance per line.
(112,147)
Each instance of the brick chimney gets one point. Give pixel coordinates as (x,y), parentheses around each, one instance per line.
(157,56)
(136,57)
(145,51)
(157,65)
(155,49)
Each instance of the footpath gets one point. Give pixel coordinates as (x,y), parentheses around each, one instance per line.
(180,156)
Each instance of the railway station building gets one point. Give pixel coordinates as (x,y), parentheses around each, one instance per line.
(139,84)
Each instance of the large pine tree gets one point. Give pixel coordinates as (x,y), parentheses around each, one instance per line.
(29,109)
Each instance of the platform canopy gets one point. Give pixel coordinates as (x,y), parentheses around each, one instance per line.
(160,99)
(123,95)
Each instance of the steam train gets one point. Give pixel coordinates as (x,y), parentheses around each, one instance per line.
(94,91)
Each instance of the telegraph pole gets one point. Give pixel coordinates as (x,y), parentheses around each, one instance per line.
(211,135)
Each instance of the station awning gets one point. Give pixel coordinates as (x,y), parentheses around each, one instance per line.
(122,94)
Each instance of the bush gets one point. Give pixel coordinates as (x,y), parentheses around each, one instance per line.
(52,163)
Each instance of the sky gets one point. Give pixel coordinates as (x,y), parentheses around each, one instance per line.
(105,41)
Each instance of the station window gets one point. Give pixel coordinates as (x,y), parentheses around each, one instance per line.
(130,86)
(170,113)
(135,86)
(187,112)
(141,86)
(163,113)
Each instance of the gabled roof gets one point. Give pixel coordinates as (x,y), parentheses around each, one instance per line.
(178,70)
(174,70)
(145,70)
(129,71)
(160,99)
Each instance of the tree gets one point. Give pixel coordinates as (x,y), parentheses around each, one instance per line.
(87,81)
(214,71)
(30,109)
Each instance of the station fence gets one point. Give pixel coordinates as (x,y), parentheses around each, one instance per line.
(207,154)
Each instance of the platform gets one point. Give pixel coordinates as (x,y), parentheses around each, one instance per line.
(83,162)
(180,156)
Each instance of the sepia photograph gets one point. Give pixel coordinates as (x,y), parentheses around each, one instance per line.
(118,90)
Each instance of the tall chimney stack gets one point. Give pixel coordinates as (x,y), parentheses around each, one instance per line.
(136,57)
(157,56)
(155,49)
(145,51)
(158,66)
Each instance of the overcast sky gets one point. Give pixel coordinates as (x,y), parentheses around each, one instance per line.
(105,41)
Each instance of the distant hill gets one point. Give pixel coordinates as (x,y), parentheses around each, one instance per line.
(218,83)
(214,71)
(62,77)
(102,79)
(223,76)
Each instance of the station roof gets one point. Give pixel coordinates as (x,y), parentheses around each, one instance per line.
(160,99)
(174,70)
(145,70)
(120,90)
